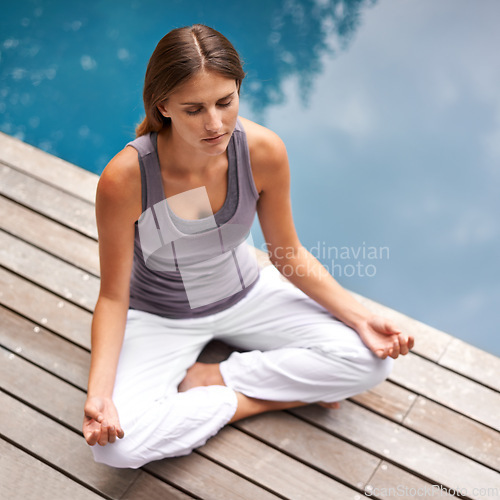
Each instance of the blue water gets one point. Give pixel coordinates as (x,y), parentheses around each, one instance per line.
(390,110)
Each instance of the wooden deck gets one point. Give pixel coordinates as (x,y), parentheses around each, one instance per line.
(435,422)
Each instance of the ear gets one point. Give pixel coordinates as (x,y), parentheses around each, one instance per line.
(163,110)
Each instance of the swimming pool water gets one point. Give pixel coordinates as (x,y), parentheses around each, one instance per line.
(390,111)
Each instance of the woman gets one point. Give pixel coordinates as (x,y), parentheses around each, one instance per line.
(174,209)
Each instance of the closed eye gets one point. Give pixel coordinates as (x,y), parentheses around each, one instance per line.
(194,112)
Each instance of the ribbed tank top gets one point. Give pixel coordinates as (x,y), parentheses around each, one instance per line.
(190,268)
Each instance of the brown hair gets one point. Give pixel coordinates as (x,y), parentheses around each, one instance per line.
(179,55)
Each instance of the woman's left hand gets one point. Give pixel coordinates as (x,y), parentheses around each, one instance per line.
(383,338)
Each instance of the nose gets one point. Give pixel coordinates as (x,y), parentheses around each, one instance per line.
(214,121)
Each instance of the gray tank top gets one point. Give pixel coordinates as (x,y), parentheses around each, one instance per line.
(189,268)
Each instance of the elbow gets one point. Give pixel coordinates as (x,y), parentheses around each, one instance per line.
(280,255)
(290,261)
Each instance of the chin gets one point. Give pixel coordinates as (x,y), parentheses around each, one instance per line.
(218,149)
(217,152)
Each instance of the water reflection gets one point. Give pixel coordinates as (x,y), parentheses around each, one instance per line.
(65,66)
(294,38)
(397,147)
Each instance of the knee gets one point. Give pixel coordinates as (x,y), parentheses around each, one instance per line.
(170,427)
(376,371)
(120,454)
(130,453)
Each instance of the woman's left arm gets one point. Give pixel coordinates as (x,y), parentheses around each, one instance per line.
(299,266)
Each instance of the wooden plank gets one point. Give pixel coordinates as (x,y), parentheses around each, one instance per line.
(433,462)
(45,308)
(44,348)
(313,446)
(215,352)
(49,201)
(334,456)
(206,479)
(449,389)
(57,276)
(149,488)
(65,449)
(23,477)
(53,396)
(461,433)
(270,468)
(82,378)
(50,236)
(41,389)
(472,362)
(391,482)
(48,168)
(388,400)
(57,398)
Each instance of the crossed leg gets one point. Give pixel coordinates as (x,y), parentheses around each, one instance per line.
(167,409)
(207,374)
(294,353)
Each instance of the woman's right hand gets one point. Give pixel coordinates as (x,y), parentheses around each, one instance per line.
(100,422)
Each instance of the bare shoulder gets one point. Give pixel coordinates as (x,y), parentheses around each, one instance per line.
(267,152)
(263,141)
(120,182)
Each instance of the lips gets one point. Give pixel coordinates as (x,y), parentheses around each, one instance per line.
(214,139)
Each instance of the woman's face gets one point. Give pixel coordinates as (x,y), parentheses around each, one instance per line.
(204,112)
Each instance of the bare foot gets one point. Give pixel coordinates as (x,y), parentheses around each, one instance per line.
(204,374)
(330,406)
(250,406)
(201,374)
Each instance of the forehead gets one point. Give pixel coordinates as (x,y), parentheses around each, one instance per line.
(204,86)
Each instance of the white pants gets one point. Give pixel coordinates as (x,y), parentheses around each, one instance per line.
(296,352)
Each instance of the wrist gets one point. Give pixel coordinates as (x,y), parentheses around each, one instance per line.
(359,322)
(91,395)
(101,381)
(99,390)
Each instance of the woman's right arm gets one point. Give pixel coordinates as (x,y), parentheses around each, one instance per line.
(118,206)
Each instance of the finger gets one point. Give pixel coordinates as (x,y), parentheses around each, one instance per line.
(103,438)
(92,412)
(388,352)
(119,431)
(111,434)
(411,342)
(403,344)
(395,348)
(390,327)
(91,437)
